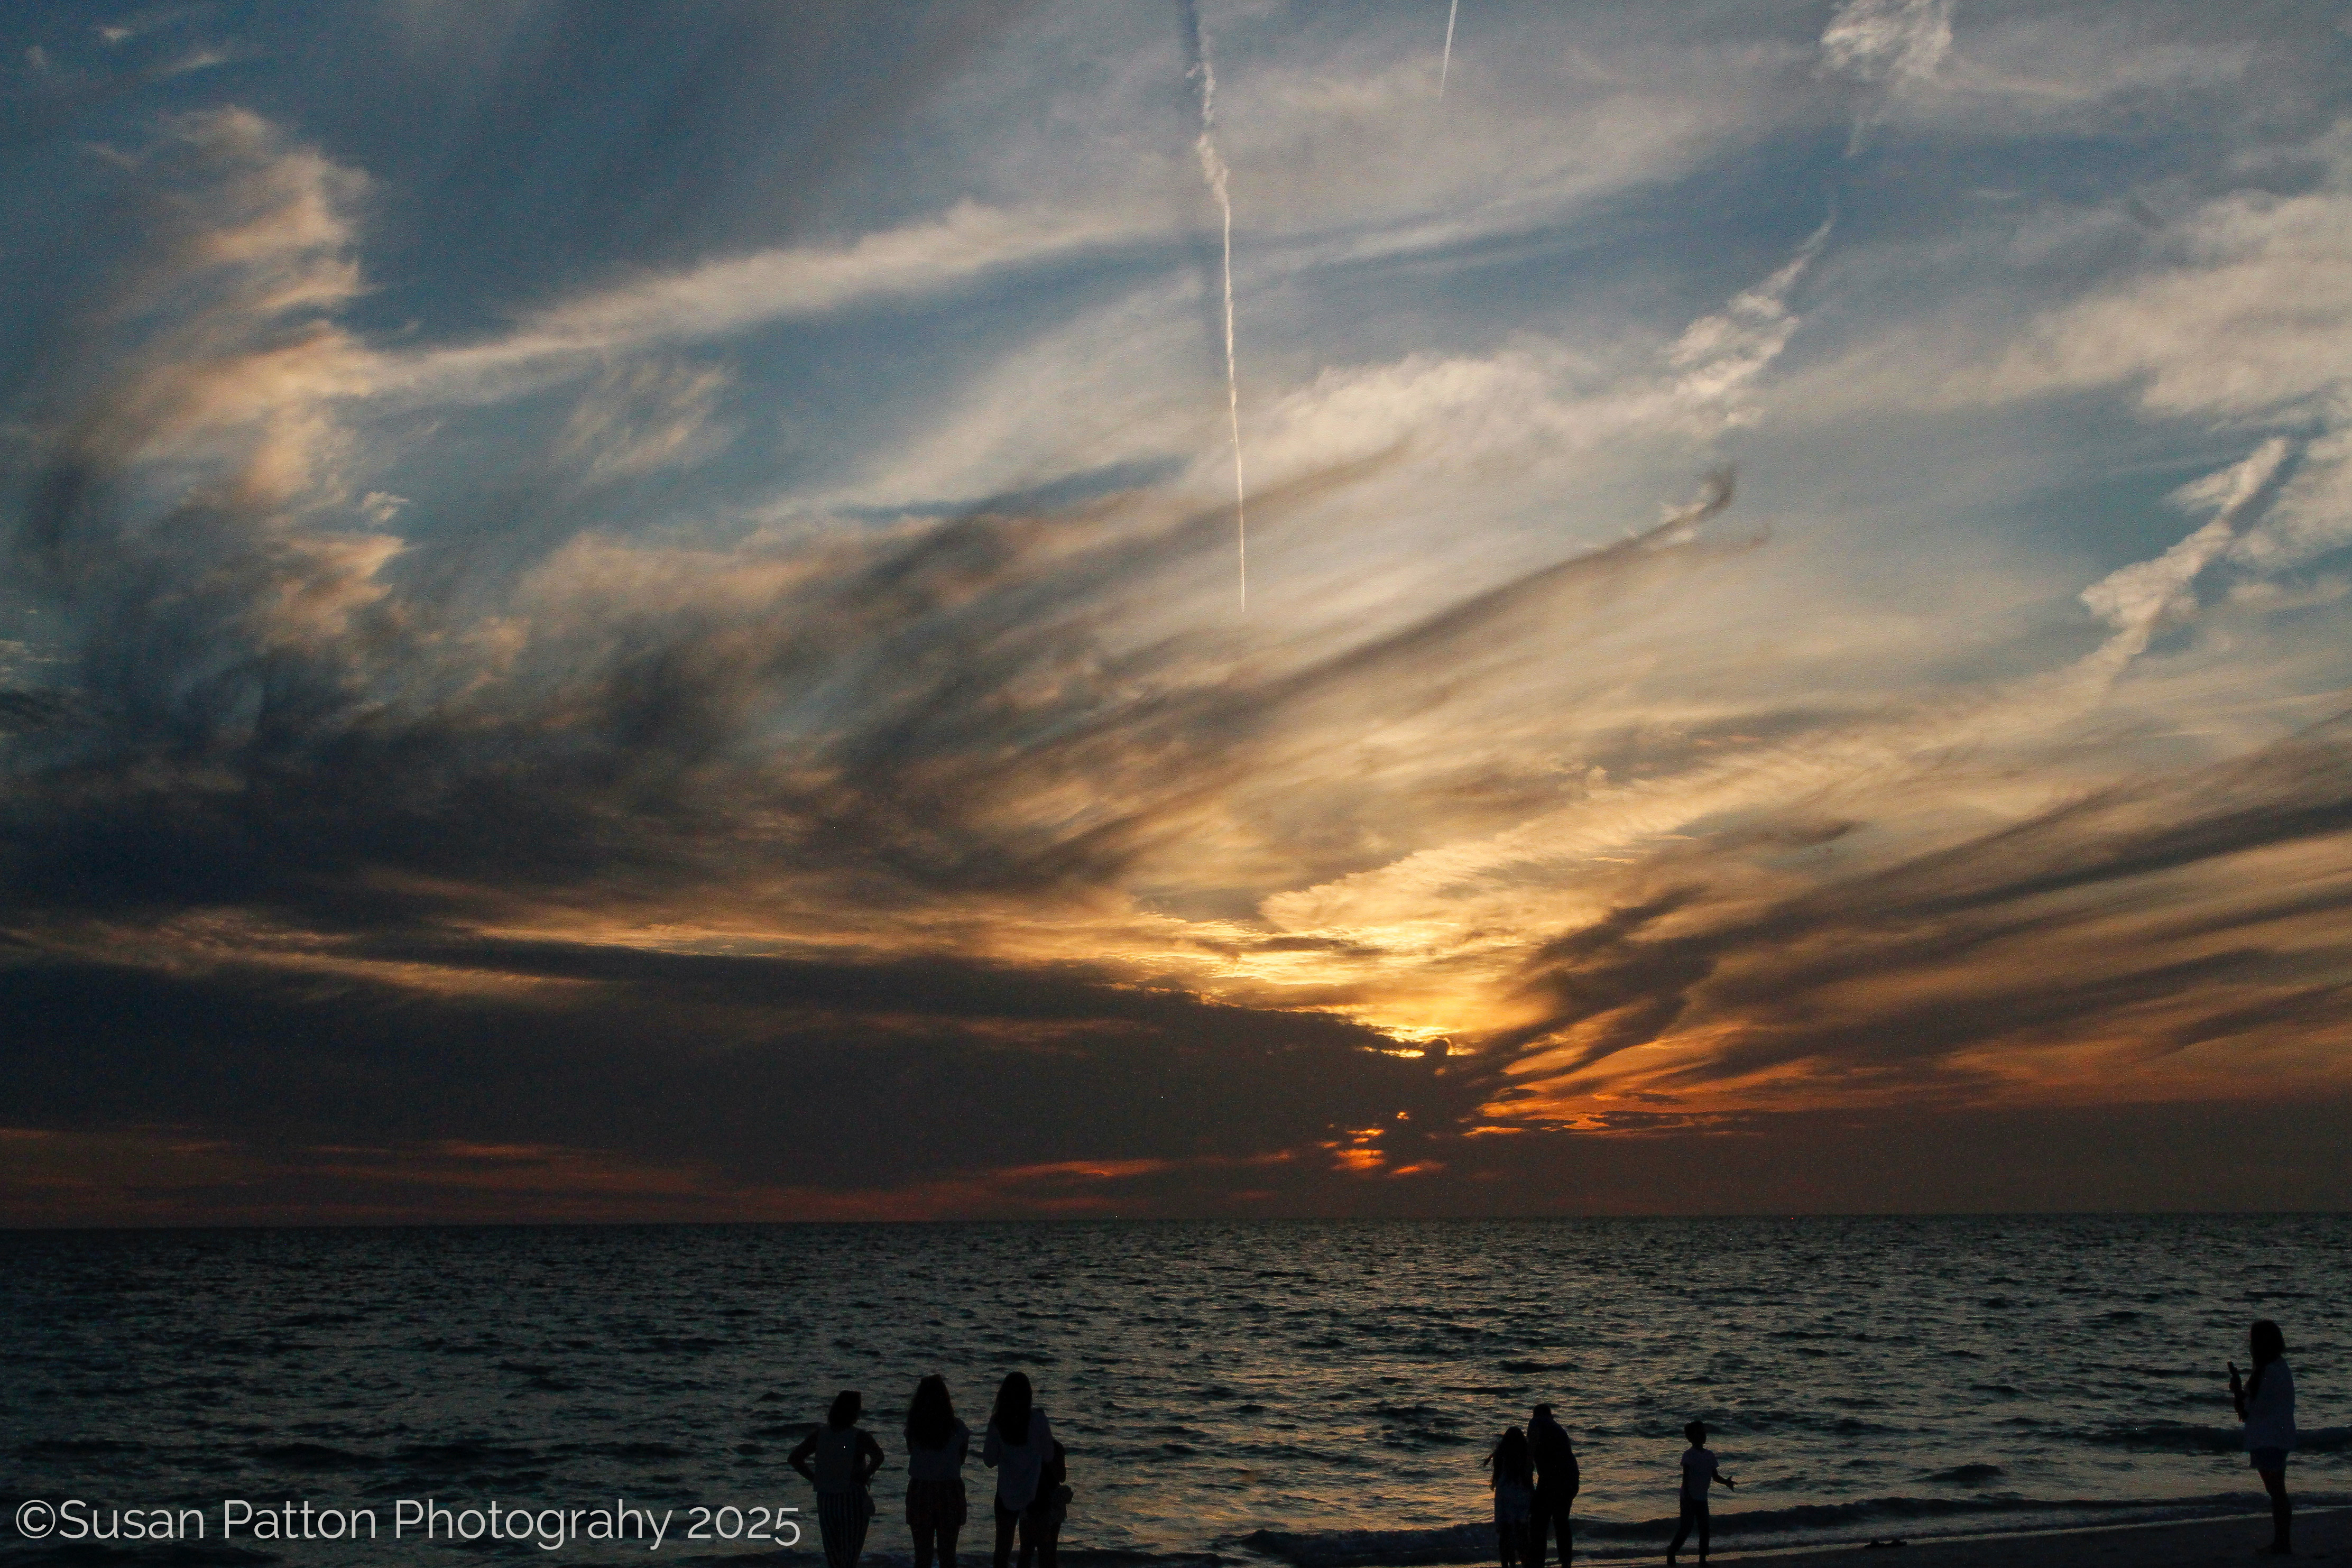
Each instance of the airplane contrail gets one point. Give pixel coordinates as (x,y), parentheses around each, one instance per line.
(1213,170)
(1446,64)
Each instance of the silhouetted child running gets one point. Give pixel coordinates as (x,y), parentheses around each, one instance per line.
(1699,1472)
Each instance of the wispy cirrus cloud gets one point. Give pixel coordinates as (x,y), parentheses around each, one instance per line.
(721,298)
(520,708)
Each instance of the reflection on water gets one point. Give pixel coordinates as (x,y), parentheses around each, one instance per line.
(1319,1392)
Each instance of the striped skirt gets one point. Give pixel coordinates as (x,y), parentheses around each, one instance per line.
(841,1519)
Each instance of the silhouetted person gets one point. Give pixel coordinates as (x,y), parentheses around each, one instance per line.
(839,1458)
(1514,1480)
(1019,1443)
(936,1446)
(1041,1526)
(1557,1481)
(1699,1472)
(2266,1404)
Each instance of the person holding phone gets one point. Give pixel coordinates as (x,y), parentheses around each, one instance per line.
(2265,1403)
(1020,1441)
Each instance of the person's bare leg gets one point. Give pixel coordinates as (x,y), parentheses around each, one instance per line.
(2281,1512)
(947,1533)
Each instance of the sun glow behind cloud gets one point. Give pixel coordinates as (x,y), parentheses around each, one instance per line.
(793,682)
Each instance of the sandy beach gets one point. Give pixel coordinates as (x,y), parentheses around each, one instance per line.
(2202,1544)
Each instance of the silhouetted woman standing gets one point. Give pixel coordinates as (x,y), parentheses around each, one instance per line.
(936,1446)
(1019,1443)
(839,1458)
(1514,1480)
(2266,1404)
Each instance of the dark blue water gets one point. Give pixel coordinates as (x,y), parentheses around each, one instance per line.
(1318,1393)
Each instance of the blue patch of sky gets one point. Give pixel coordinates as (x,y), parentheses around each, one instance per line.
(583,144)
(1646,261)
(531,150)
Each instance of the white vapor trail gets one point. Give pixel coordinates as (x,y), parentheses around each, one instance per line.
(1214,170)
(1445,64)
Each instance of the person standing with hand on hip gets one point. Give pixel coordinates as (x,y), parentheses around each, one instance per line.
(839,1458)
(2265,1403)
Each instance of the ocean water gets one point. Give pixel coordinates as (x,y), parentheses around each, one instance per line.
(1304,1393)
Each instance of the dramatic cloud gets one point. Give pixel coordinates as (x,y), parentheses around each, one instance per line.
(749,717)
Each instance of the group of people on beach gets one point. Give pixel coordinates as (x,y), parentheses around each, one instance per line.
(1535,1477)
(1033,1491)
(1533,1471)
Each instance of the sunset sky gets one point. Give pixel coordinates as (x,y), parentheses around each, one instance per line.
(636,612)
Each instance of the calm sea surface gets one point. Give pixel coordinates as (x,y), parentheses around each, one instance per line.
(1316,1393)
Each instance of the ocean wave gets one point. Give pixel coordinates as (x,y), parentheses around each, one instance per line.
(1969,1474)
(311,1457)
(636,1450)
(1347,1548)
(463,1456)
(1774,1421)
(1305,1409)
(2188,1438)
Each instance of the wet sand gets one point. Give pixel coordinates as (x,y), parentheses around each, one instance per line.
(2319,1536)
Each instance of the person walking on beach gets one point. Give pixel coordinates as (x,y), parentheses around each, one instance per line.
(1699,1472)
(1514,1480)
(839,1458)
(936,1446)
(1557,1484)
(2265,1403)
(1019,1442)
